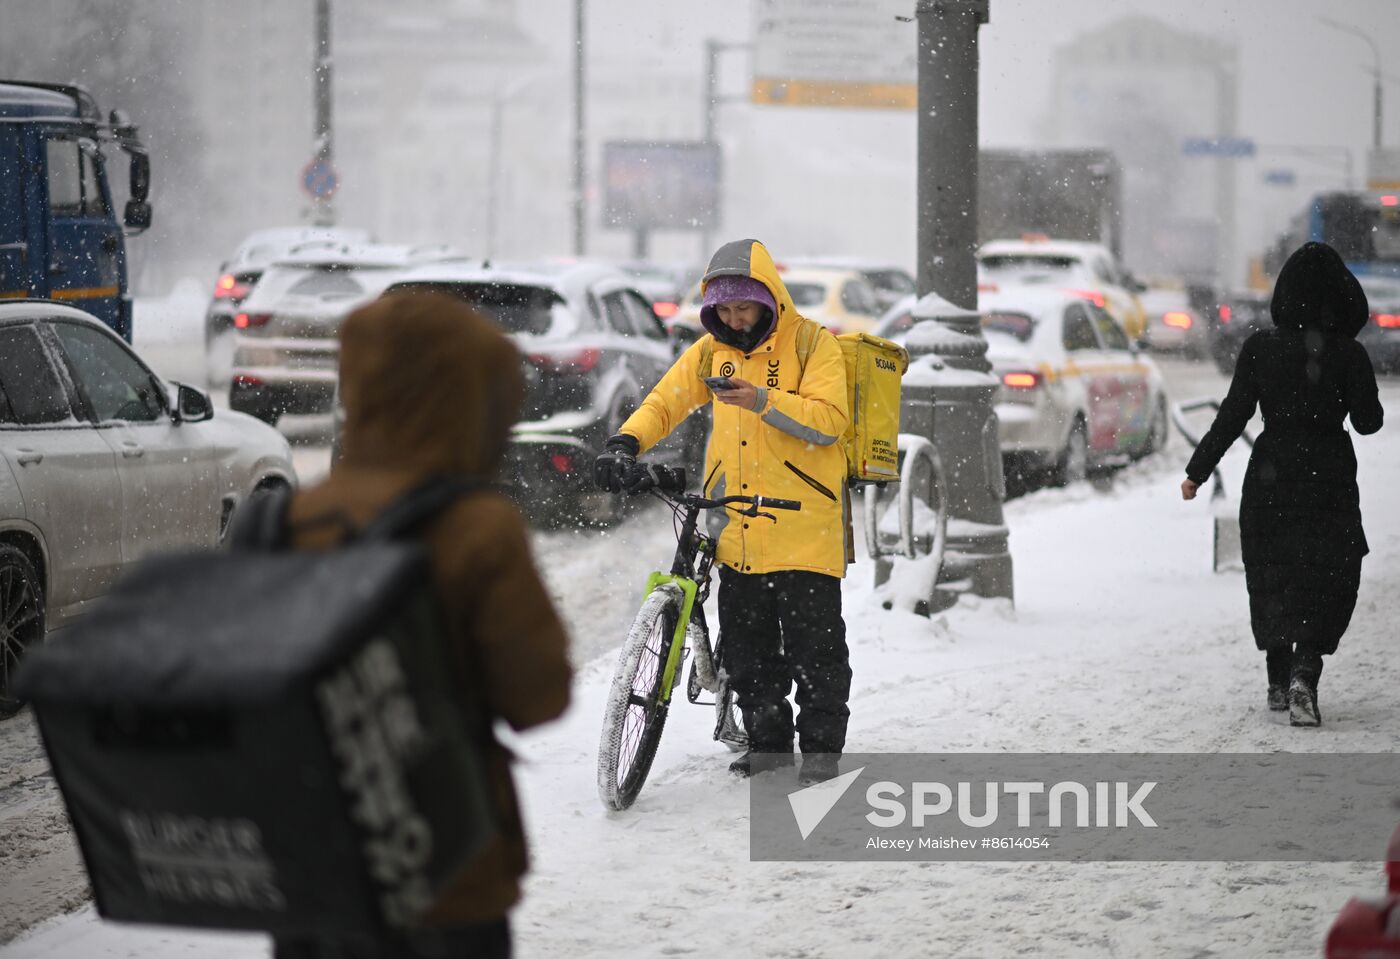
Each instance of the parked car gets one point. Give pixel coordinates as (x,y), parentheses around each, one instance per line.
(840,300)
(1381,336)
(240,272)
(1087,267)
(287,347)
(1075,393)
(661,284)
(1238,316)
(101,464)
(593,349)
(889,283)
(1174,325)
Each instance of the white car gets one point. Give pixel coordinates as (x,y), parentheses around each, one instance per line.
(101,464)
(287,346)
(1075,392)
(1089,269)
(1174,325)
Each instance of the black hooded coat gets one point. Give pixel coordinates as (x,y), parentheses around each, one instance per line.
(1300,513)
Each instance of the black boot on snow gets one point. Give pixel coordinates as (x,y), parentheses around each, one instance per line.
(818,768)
(1302,705)
(1278,697)
(743,766)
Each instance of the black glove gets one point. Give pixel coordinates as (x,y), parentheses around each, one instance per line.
(617,462)
(643,477)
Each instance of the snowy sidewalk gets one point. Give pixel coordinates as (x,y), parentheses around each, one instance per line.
(1122,640)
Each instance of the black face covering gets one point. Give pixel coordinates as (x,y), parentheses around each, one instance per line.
(746,341)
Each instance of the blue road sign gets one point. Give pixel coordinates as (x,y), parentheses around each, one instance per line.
(1218,147)
(1280,177)
(319,179)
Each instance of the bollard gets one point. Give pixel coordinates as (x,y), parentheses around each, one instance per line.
(948,396)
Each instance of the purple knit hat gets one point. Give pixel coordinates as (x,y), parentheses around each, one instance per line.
(727,289)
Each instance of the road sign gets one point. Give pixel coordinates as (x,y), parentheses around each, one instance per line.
(1230,147)
(1280,177)
(319,179)
(857,53)
(665,185)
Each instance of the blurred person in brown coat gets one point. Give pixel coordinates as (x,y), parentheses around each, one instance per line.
(432,388)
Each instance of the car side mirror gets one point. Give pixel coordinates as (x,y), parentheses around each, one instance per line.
(137,215)
(192,405)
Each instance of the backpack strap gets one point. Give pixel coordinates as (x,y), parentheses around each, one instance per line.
(408,514)
(260,522)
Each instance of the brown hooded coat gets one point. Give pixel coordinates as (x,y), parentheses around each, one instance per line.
(431,388)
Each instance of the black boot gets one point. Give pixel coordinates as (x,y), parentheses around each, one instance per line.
(1302,690)
(1279,663)
(818,768)
(743,766)
(1302,704)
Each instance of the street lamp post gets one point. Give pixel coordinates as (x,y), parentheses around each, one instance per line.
(1376,72)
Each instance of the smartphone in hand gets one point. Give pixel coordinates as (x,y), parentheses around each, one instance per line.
(717,383)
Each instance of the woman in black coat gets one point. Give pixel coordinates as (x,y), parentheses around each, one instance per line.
(1300,514)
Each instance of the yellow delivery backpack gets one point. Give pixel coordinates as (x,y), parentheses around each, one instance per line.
(874,369)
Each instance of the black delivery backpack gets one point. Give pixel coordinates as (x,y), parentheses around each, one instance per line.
(269,739)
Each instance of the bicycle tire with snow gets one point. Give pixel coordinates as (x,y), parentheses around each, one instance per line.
(634,717)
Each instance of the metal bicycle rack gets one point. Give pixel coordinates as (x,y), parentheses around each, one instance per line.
(921,500)
(1226,543)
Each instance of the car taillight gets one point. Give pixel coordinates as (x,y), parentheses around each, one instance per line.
(244,320)
(227,287)
(1022,379)
(1225,313)
(665,309)
(562,463)
(244,379)
(582,361)
(1093,296)
(1177,320)
(987,287)
(1389,321)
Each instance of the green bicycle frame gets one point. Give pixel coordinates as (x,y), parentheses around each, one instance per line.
(673,657)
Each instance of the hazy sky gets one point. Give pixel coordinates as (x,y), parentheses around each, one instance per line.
(1299,83)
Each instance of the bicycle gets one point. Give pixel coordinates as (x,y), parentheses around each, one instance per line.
(670,623)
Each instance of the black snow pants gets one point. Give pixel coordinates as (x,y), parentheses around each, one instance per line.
(777,629)
(488,940)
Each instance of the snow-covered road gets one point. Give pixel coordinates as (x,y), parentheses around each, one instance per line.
(1122,639)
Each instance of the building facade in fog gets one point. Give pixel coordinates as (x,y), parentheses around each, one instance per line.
(1141,89)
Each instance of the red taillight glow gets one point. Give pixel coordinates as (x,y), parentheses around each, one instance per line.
(1225,313)
(562,463)
(228,288)
(1390,199)
(986,288)
(1021,381)
(1389,321)
(581,362)
(244,320)
(243,379)
(665,309)
(1177,320)
(1093,296)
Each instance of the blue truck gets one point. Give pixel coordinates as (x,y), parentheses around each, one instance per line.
(59,234)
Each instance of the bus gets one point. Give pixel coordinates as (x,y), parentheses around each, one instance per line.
(1362,225)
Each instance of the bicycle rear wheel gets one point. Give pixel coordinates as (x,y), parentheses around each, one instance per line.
(635,714)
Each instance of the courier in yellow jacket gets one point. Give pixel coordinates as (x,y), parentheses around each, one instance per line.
(776,434)
(786,445)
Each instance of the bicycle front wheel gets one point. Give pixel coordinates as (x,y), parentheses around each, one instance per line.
(635,713)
